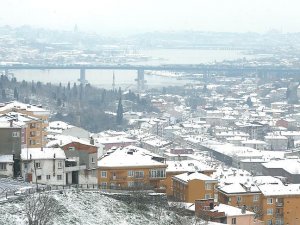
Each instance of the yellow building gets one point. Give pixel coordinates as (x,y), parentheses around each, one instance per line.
(131,167)
(188,187)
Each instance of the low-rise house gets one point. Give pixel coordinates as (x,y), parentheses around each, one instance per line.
(43,165)
(226,214)
(131,167)
(188,187)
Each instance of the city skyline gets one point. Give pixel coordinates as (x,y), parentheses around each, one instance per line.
(132,16)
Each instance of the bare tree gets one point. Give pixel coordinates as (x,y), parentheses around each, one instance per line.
(41,209)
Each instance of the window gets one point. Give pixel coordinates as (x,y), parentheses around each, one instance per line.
(25,165)
(48,177)
(130,184)
(32,125)
(269,222)
(207,186)
(238,198)
(39,177)
(71,148)
(59,177)
(255,198)
(2,166)
(103,184)
(269,211)
(38,165)
(59,164)
(130,173)
(103,174)
(158,173)
(93,160)
(269,201)
(207,196)
(139,174)
(233,221)
(15,134)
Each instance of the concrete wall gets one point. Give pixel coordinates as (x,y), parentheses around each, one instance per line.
(8,143)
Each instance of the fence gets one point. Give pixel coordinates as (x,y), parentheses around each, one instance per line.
(15,194)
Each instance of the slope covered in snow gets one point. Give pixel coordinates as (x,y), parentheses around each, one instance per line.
(91,208)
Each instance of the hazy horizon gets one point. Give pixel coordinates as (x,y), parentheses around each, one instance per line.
(138,16)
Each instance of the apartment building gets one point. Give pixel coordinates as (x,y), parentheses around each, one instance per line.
(37,126)
(131,167)
(188,187)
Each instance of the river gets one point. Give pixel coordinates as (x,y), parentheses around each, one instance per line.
(125,78)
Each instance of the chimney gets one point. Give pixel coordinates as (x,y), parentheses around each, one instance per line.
(92,141)
(244,207)
(11,123)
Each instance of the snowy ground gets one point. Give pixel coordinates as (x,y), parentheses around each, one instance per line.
(9,184)
(91,208)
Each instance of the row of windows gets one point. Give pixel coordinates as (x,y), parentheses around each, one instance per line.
(240,199)
(38,165)
(48,177)
(158,173)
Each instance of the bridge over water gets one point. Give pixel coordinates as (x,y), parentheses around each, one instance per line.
(192,68)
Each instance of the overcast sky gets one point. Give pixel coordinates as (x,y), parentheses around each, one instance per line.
(113,16)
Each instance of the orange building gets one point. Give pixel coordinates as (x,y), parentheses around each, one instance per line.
(281,204)
(272,203)
(188,187)
(131,167)
(36,127)
(238,195)
(179,167)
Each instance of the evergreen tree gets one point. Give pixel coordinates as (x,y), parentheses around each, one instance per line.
(249,102)
(16,94)
(3,94)
(120,112)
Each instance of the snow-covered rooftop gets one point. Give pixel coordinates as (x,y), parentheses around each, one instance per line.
(42,153)
(130,156)
(186,177)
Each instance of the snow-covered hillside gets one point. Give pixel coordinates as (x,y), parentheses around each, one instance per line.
(91,208)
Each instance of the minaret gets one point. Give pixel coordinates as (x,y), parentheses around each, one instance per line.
(114,79)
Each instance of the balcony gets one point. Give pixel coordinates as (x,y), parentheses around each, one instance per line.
(118,178)
(279,204)
(279,215)
(75,168)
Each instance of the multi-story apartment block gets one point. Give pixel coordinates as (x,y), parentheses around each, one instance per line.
(188,187)
(36,126)
(131,167)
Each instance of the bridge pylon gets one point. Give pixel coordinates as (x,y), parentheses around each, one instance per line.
(82,79)
(140,80)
